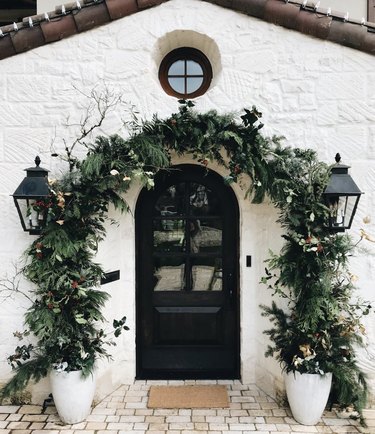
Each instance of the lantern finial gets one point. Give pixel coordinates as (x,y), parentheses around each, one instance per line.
(37,161)
(338,158)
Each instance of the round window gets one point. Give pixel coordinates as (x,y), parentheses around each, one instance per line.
(185,73)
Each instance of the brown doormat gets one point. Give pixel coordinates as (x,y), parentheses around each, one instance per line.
(188,397)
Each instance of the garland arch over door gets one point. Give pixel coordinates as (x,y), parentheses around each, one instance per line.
(187,277)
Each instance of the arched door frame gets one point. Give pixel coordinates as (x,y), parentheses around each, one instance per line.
(174,309)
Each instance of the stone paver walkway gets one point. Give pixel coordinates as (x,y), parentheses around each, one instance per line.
(125,411)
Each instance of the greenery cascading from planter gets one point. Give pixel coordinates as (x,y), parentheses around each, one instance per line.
(322,324)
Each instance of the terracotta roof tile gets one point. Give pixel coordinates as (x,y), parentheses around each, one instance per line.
(67,7)
(281,13)
(309,19)
(27,38)
(143,4)
(92,16)
(58,28)
(82,15)
(6,47)
(369,43)
(350,34)
(121,8)
(309,25)
(257,7)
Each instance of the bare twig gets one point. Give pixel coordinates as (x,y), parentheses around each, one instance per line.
(101,102)
(10,286)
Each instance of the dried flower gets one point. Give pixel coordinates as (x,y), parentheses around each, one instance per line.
(353,277)
(366,236)
(366,220)
(60,222)
(60,199)
(114,172)
(306,350)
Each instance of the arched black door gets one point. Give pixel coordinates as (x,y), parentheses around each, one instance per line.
(187,277)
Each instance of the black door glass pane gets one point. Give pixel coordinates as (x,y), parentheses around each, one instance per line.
(205,236)
(193,84)
(206,274)
(169,235)
(172,201)
(169,274)
(203,201)
(193,68)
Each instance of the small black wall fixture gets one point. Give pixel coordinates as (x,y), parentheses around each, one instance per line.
(31,199)
(341,196)
(109,277)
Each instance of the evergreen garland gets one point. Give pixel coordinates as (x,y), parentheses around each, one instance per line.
(322,325)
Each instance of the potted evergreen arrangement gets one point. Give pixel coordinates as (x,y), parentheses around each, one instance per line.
(65,315)
(315,335)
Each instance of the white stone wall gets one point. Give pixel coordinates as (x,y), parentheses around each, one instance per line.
(317,94)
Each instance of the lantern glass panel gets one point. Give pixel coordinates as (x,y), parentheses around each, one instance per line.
(33,213)
(342,209)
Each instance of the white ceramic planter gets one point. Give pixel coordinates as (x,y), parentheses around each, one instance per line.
(72,395)
(307,395)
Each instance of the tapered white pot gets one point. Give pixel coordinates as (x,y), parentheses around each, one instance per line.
(307,395)
(72,395)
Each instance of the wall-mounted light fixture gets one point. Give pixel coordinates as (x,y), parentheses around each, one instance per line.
(341,196)
(32,198)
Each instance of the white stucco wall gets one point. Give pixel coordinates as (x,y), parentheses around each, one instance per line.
(317,94)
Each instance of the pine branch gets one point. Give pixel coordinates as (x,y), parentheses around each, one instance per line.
(32,370)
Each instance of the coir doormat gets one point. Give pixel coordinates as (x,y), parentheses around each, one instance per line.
(188,397)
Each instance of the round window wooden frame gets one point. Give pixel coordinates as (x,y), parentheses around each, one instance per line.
(185,53)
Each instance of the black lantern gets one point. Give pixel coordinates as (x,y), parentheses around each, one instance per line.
(341,196)
(32,199)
